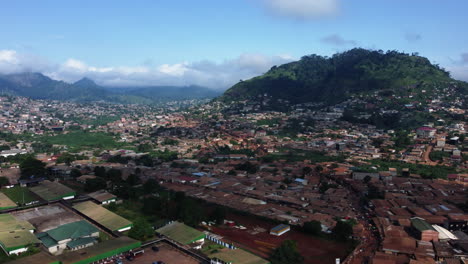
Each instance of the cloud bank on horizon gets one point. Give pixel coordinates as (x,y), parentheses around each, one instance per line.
(203,73)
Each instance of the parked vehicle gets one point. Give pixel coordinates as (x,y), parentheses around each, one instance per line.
(134,254)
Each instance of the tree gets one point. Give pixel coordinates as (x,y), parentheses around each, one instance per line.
(153,205)
(190,212)
(141,230)
(96,184)
(367,179)
(114,175)
(31,166)
(287,253)
(218,215)
(4,181)
(150,186)
(133,179)
(318,168)
(248,167)
(342,231)
(313,227)
(66,158)
(306,171)
(75,173)
(144,148)
(100,171)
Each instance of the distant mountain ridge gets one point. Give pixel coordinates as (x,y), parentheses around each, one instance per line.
(333,79)
(39,86)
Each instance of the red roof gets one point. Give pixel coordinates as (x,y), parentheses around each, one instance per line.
(187,178)
(427,128)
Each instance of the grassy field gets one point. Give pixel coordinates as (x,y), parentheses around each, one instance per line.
(20,195)
(210,248)
(295,155)
(426,171)
(100,120)
(81,139)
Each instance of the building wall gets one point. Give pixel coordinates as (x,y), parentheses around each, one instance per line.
(108,202)
(68,197)
(430,235)
(18,251)
(124,229)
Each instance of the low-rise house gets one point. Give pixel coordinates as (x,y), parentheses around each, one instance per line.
(424,230)
(71,236)
(426,132)
(103,197)
(279,230)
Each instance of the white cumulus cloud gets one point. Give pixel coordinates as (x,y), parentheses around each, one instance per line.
(303,9)
(219,75)
(11,61)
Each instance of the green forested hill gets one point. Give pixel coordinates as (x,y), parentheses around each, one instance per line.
(332,79)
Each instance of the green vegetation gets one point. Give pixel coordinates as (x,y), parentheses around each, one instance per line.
(41,147)
(313,227)
(20,195)
(226,150)
(268,122)
(31,167)
(170,141)
(4,181)
(439,155)
(68,158)
(342,231)
(331,79)
(287,253)
(210,248)
(426,171)
(165,155)
(141,230)
(96,184)
(97,121)
(78,140)
(4,258)
(294,155)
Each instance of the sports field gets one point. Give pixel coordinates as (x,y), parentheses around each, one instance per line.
(20,195)
(50,191)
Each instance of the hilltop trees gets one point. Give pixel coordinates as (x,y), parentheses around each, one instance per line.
(332,79)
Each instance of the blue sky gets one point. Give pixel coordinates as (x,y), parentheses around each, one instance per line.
(216,43)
